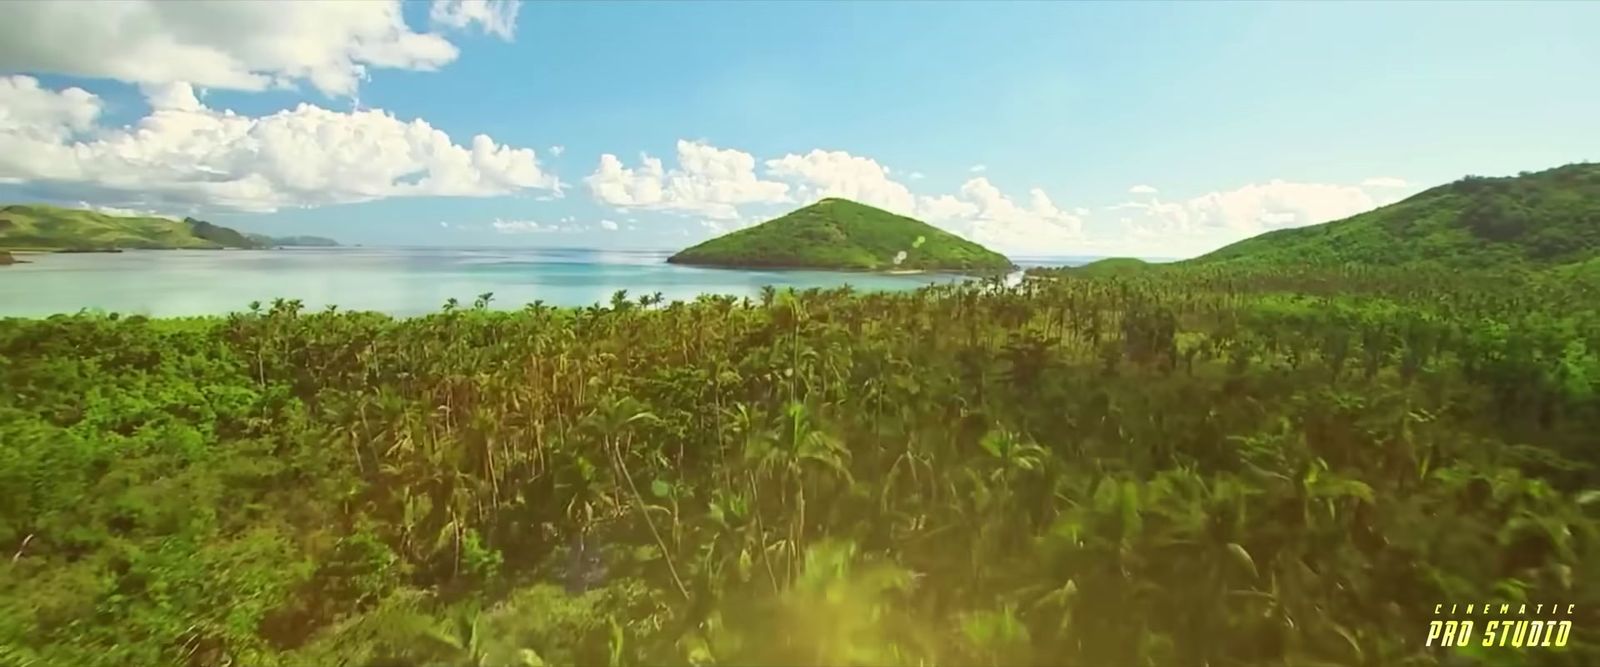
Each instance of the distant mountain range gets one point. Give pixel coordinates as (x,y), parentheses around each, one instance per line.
(41,227)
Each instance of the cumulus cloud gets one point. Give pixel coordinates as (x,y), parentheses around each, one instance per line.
(1141,190)
(1385,182)
(822,174)
(557,150)
(917,176)
(945,208)
(238,45)
(1217,218)
(31,112)
(177,96)
(608,225)
(708,181)
(1261,207)
(184,152)
(978,168)
(1001,222)
(496,17)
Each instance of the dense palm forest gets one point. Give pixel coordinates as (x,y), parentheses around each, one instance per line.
(1193,466)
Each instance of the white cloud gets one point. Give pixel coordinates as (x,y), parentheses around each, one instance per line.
(978,168)
(709,181)
(1214,219)
(1385,182)
(444,224)
(522,227)
(497,17)
(40,114)
(608,225)
(184,152)
(1260,207)
(1141,190)
(1002,223)
(945,208)
(822,174)
(176,96)
(118,210)
(238,45)
(917,176)
(557,150)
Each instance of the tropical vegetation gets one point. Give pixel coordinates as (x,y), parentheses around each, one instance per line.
(842,234)
(1210,463)
(1158,470)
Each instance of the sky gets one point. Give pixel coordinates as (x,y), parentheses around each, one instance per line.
(1149,129)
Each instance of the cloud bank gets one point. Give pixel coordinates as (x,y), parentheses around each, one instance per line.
(186,153)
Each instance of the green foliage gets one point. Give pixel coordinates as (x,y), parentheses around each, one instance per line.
(1220,465)
(842,234)
(39,227)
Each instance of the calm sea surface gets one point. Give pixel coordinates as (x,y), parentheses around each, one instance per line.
(399,281)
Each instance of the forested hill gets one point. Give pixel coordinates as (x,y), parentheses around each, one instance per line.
(842,234)
(40,227)
(1540,219)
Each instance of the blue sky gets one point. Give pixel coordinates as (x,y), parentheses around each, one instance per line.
(1154,129)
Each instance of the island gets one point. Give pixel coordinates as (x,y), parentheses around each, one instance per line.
(40,227)
(839,234)
(293,241)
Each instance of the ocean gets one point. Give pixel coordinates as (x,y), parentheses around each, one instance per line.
(398,281)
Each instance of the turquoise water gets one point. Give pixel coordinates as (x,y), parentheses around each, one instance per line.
(399,281)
